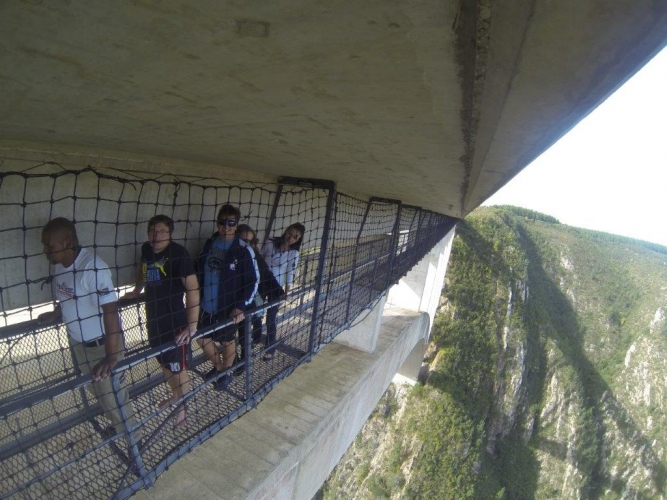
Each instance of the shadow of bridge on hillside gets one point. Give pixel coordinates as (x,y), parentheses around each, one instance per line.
(561,325)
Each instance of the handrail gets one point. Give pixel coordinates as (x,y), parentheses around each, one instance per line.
(32,325)
(6,332)
(325,303)
(31,399)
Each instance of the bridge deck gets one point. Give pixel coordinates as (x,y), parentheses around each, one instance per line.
(289,444)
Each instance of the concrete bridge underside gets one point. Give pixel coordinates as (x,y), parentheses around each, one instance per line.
(437,103)
(434,103)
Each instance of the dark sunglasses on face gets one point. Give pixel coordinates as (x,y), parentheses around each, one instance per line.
(227,222)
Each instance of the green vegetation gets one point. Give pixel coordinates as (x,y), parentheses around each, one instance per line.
(527,213)
(624,240)
(547,375)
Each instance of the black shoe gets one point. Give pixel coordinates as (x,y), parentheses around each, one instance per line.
(223,382)
(108,432)
(238,370)
(211,374)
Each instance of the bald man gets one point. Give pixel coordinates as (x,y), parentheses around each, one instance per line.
(88,305)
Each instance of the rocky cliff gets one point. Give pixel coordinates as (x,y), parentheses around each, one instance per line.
(547,374)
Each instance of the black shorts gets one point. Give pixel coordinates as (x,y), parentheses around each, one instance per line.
(175,360)
(226,334)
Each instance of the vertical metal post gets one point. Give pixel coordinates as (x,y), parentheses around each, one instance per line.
(393,246)
(247,329)
(324,248)
(133,443)
(416,217)
(272,217)
(354,260)
(306,265)
(420,229)
(412,239)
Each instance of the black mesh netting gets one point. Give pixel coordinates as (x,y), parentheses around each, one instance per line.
(54,435)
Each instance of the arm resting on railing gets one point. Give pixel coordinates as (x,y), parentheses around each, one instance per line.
(51,317)
(113,342)
(138,288)
(192,308)
(10,407)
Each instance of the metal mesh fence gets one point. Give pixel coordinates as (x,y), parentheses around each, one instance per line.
(54,430)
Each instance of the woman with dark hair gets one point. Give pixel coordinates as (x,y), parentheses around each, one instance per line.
(268,290)
(282,256)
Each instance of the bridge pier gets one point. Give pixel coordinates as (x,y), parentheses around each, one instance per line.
(420,291)
(420,288)
(364,334)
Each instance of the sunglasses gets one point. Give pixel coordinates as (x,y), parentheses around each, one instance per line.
(227,222)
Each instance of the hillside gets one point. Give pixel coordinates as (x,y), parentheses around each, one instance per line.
(547,374)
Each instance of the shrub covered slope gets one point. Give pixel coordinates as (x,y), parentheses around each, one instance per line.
(547,374)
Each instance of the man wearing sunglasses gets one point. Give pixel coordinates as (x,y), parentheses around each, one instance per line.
(229,278)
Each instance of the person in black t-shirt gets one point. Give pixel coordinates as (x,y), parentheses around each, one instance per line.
(166,273)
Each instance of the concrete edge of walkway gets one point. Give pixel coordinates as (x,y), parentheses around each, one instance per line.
(287,447)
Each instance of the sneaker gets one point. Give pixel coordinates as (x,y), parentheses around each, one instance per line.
(211,374)
(108,432)
(238,370)
(223,382)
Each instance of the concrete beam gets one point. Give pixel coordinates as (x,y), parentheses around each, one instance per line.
(436,103)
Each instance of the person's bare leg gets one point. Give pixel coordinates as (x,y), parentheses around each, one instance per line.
(211,352)
(180,385)
(228,353)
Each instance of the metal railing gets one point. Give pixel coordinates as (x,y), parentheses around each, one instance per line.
(52,431)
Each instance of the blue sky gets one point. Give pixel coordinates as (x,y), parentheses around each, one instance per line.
(608,173)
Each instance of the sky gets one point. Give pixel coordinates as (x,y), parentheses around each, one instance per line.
(609,173)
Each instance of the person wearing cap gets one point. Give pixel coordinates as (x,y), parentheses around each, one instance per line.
(229,277)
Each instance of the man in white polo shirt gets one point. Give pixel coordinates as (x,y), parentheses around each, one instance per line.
(88,305)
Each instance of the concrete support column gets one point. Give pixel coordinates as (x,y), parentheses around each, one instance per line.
(409,371)
(420,289)
(363,335)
